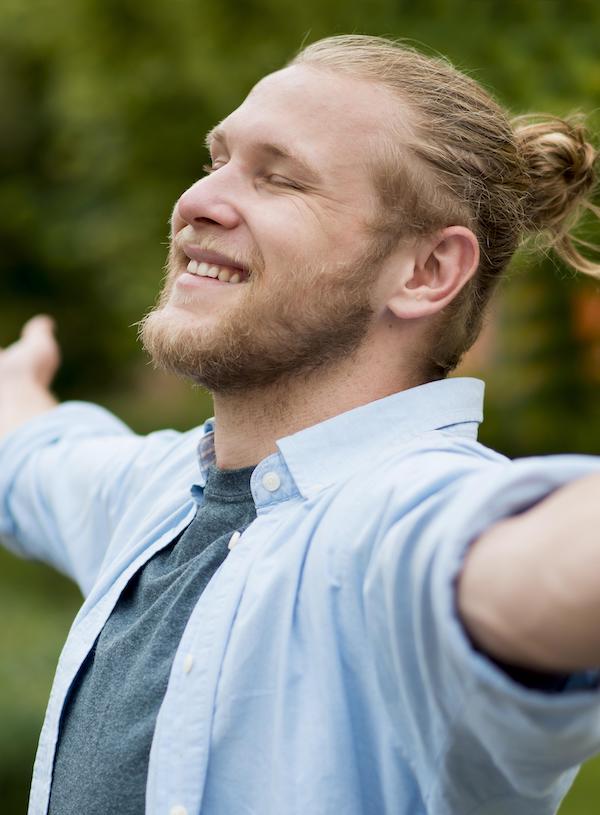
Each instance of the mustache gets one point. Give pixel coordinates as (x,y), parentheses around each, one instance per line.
(251,259)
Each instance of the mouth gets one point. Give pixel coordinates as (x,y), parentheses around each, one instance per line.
(203,263)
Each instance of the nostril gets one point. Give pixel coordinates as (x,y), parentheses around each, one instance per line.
(202,219)
(196,206)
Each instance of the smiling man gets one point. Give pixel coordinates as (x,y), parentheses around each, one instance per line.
(322,600)
(283,218)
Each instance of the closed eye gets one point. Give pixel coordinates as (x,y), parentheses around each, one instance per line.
(282,181)
(276,180)
(211,168)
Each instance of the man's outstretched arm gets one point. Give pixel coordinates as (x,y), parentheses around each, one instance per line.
(529,593)
(74,475)
(27,368)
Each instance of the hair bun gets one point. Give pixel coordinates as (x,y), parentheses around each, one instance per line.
(560,164)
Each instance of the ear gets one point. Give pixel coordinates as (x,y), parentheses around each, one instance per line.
(441,267)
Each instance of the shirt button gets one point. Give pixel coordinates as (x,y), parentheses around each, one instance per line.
(188,661)
(271,481)
(178,810)
(234,539)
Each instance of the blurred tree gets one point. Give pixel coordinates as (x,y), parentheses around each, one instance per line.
(541,398)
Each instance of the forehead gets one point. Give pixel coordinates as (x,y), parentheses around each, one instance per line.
(335,121)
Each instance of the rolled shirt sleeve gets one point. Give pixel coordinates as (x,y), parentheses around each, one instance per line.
(485,733)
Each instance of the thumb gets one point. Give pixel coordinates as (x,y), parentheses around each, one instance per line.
(39,327)
(41,348)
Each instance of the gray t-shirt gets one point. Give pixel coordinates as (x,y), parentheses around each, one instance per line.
(106,731)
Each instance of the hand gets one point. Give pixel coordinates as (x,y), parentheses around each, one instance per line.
(27,368)
(34,358)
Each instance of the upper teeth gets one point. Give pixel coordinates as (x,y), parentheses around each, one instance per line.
(206,270)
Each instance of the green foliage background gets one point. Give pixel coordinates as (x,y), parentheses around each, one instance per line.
(104,107)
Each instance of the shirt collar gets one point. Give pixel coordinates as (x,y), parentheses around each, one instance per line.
(318,455)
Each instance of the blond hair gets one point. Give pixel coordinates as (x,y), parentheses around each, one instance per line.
(459,159)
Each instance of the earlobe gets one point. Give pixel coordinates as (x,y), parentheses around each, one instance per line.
(441,268)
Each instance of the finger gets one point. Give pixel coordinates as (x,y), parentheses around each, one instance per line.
(41,324)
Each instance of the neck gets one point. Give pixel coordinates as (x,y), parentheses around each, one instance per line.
(248,424)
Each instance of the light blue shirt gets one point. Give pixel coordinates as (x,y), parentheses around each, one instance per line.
(324,669)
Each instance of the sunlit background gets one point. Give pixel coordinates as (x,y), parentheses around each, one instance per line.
(104,107)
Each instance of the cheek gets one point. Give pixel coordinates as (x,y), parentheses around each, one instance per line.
(297,232)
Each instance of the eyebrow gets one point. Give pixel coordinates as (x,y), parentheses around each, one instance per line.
(217,134)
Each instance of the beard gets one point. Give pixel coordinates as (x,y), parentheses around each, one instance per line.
(305,321)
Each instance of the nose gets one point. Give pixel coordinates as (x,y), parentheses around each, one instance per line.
(208,202)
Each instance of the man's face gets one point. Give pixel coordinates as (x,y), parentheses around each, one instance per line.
(284,219)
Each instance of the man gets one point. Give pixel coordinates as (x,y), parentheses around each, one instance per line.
(349,605)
